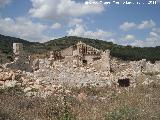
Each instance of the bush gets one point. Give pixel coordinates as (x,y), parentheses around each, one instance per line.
(124,113)
(12,90)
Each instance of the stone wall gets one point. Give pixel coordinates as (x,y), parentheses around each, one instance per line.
(21,62)
(18,49)
(150,67)
(143,66)
(89,59)
(138,66)
(67,52)
(105,65)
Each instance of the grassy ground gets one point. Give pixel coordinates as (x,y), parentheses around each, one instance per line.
(140,103)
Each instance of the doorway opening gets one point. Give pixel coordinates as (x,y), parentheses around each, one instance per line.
(84,62)
(124,82)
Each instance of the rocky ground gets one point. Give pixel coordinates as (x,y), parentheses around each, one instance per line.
(84,103)
(51,78)
(63,91)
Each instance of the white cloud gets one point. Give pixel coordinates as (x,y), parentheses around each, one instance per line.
(156,30)
(23,28)
(82,31)
(129,37)
(51,9)
(152,40)
(4,2)
(143,25)
(153,34)
(56,26)
(79,30)
(127,26)
(146,24)
(138,43)
(75,21)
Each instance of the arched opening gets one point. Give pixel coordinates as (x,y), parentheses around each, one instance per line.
(124,82)
(10,58)
(84,62)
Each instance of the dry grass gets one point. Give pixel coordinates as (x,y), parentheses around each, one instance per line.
(140,103)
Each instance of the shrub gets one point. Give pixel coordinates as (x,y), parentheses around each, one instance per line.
(124,113)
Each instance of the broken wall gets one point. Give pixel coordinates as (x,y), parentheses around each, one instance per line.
(103,64)
(105,58)
(150,67)
(67,52)
(20,62)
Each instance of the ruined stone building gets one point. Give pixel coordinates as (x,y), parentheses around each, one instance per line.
(79,65)
(18,49)
(82,50)
(77,55)
(83,54)
(21,61)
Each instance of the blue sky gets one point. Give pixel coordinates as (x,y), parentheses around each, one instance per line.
(43,20)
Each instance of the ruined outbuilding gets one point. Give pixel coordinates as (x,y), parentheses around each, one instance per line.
(78,65)
(21,61)
(82,54)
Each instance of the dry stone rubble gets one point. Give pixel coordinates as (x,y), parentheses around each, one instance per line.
(79,65)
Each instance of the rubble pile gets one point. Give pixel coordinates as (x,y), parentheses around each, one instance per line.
(48,76)
(8,78)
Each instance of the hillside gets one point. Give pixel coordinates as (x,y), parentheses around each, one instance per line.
(123,52)
(6,43)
